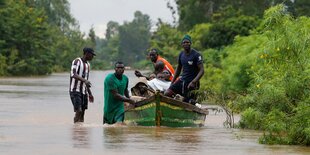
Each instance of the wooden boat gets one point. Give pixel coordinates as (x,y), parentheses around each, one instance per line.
(159,110)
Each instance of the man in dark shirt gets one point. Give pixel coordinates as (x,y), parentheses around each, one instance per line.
(191,63)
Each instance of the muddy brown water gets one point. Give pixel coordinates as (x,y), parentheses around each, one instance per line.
(36,117)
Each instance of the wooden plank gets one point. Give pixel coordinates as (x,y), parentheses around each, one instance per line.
(184,105)
(140,103)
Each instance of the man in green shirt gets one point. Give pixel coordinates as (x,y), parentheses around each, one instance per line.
(115,94)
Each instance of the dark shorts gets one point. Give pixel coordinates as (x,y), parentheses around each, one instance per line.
(79,101)
(180,87)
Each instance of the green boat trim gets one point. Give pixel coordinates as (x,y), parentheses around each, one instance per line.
(159,110)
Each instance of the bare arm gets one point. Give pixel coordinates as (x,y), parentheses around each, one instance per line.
(159,67)
(126,91)
(198,76)
(177,73)
(120,97)
(90,95)
(78,77)
(139,74)
(200,73)
(87,83)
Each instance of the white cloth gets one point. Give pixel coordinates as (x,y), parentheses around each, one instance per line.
(160,85)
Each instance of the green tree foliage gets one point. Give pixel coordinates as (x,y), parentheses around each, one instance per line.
(107,49)
(280,83)
(134,38)
(112,30)
(265,76)
(24,40)
(259,67)
(168,41)
(223,33)
(91,38)
(67,38)
(192,12)
(300,7)
(31,44)
(238,60)
(127,42)
(57,11)
(198,34)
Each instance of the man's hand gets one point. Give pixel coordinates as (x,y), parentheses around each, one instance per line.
(191,85)
(87,83)
(131,101)
(138,73)
(91,98)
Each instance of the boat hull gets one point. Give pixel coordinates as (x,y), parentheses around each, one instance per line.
(163,111)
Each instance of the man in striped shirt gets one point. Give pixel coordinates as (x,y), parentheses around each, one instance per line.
(79,90)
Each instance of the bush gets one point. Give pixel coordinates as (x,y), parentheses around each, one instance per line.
(251,118)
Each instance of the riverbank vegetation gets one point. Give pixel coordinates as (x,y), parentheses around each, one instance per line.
(256,53)
(265,77)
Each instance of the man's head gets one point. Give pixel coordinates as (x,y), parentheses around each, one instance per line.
(89,53)
(186,42)
(153,54)
(119,68)
(167,75)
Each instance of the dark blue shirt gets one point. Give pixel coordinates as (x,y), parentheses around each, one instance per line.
(189,64)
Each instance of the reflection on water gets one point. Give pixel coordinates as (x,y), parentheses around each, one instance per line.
(114,138)
(157,139)
(36,118)
(80,136)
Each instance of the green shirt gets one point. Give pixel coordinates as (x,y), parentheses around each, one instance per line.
(114,108)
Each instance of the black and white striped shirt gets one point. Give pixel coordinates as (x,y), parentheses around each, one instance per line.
(82,69)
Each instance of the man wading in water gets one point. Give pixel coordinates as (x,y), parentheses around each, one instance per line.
(79,85)
(115,94)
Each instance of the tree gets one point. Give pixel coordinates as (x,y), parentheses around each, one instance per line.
(223,33)
(134,38)
(112,29)
(92,38)
(57,11)
(192,12)
(30,42)
(167,40)
(24,42)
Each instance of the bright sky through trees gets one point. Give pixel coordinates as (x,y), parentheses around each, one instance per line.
(98,13)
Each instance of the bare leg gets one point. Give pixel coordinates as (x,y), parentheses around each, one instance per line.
(77,116)
(169,93)
(82,116)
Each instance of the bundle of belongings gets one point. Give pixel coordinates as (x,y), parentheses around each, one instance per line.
(146,88)
(141,90)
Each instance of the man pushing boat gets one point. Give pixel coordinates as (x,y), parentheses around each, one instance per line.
(115,94)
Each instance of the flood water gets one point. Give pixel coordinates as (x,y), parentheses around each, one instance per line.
(36,117)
